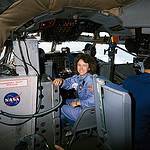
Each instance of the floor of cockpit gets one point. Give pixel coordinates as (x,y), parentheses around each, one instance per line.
(87,142)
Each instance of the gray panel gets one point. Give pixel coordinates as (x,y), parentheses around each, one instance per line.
(49,125)
(117,108)
(101,127)
(25,87)
(31,55)
(136,14)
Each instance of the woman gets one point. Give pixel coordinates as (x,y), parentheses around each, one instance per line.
(82,82)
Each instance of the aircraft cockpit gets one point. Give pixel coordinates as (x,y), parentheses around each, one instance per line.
(42,49)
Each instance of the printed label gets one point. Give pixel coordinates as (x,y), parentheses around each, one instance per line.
(13,83)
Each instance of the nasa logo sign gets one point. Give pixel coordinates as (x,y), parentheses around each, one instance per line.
(12,99)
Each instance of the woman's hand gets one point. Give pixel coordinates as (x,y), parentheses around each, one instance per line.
(58,82)
(58,147)
(75,103)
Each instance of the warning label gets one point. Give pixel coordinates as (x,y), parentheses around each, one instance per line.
(13,83)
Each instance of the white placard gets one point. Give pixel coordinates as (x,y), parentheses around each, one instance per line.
(13,83)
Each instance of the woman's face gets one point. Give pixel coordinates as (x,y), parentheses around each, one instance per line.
(82,67)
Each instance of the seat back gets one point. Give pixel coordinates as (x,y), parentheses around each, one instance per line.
(113,114)
(86,120)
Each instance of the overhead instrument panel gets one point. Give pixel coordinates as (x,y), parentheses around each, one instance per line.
(61,30)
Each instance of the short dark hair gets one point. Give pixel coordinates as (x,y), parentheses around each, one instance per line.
(87,59)
(146,63)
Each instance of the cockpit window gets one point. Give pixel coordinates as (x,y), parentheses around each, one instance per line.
(121,57)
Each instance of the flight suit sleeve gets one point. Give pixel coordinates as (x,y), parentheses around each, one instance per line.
(70,83)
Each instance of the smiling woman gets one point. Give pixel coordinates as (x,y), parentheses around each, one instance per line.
(82,83)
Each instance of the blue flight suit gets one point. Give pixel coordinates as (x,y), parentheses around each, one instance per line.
(84,88)
(139,87)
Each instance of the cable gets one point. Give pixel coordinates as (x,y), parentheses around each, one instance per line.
(27,64)
(38,75)
(27,141)
(36,114)
(41,114)
(125,50)
(7,52)
(15,124)
(38,81)
(27,52)
(23,59)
